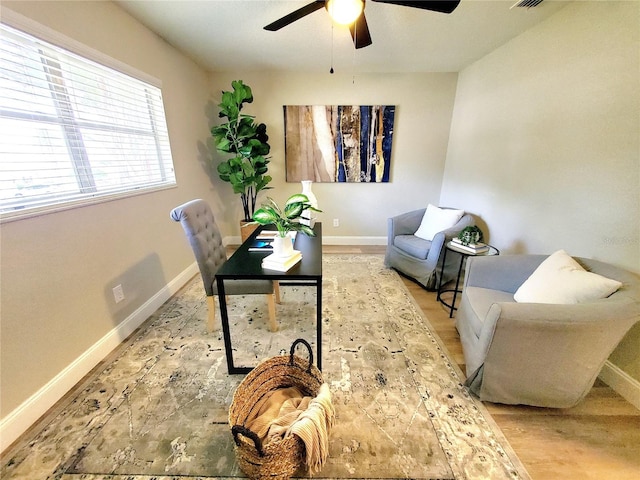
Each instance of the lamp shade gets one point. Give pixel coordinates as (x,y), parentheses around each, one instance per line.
(344,12)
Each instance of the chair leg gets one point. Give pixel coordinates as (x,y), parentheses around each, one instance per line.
(273,323)
(276,291)
(211,318)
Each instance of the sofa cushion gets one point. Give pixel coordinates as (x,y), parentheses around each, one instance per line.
(561,280)
(437,219)
(480,300)
(412,245)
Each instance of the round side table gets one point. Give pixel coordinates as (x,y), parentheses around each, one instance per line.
(464,254)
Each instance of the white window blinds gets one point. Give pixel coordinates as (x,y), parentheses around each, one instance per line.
(72,130)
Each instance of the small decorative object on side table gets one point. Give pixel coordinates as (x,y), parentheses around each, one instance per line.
(470,250)
(470,235)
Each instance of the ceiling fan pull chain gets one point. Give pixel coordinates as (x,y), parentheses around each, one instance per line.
(353,59)
(331,70)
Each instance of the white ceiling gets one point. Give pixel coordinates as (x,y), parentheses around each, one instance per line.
(228,35)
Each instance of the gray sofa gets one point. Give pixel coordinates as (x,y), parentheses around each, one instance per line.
(538,354)
(418,258)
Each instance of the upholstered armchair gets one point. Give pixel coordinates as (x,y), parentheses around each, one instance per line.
(204,237)
(532,353)
(419,257)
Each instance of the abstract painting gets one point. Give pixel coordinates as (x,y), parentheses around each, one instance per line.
(338,143)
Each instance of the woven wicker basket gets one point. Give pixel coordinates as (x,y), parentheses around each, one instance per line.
(279,459)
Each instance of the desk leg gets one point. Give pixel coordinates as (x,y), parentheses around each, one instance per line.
(226,331)
(319,323)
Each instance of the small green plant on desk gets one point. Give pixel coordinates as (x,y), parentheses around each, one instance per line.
(285,219)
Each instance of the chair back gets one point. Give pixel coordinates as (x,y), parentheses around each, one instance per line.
(205,239)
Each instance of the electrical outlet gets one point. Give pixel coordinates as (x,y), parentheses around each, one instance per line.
(118,293)
(336,222)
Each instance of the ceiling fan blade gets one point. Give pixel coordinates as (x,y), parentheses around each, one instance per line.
(295,15)
(443,6)
(360,32)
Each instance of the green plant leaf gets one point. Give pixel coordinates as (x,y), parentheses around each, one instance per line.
(306,230)
(261,183)
(225,145)
(297,198)
(245,151)
(242,93)
(236,163)
(293,210)
(248,169)
(265,215)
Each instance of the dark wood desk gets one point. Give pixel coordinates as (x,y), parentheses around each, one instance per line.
(244,264)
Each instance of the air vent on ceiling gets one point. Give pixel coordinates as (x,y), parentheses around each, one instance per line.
(526,3)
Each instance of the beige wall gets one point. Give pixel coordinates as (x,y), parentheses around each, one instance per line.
(58,270)
(424,105)
(545,141)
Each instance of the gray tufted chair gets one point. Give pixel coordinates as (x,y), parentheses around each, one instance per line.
(204,237)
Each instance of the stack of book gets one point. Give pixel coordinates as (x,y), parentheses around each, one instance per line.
(281,264)
(267,235)
(474,248)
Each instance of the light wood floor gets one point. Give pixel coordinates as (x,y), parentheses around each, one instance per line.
(598,439)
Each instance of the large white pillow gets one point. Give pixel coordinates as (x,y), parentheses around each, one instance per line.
(560,279)
(436,220)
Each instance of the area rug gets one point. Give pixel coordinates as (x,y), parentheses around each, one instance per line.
(158,407)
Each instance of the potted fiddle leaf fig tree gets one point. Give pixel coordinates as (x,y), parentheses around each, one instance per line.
(247,143)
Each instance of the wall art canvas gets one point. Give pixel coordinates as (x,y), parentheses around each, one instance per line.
(337,143)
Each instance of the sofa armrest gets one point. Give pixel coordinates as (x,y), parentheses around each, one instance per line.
(549,355)
(548,323)
(404,224)
(501,272)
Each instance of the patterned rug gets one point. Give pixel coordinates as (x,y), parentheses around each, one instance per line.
(157,409)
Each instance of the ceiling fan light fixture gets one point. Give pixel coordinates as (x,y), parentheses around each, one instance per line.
(344,12)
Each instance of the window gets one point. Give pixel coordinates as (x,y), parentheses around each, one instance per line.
(73,131)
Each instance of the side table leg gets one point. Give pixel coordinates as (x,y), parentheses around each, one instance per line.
(455,292)
(444,259)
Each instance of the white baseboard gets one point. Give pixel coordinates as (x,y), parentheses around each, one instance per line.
(623,383)
(25,415)
(327,240)
(335,240)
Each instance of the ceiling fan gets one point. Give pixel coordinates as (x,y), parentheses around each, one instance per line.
(356,20)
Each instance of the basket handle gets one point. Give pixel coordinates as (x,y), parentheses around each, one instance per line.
(293,348)
(240,430)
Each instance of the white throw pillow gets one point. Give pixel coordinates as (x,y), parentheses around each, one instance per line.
(561,280)
(436,220)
